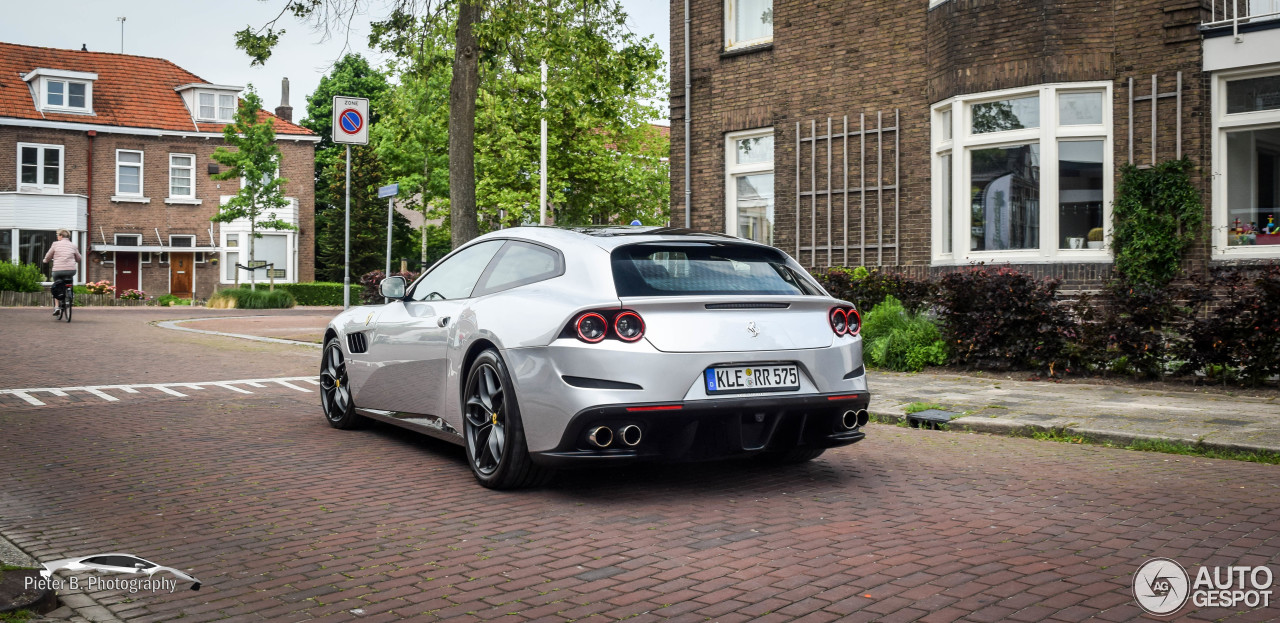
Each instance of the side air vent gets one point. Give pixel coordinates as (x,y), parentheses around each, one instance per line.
(357,343)
(748,305)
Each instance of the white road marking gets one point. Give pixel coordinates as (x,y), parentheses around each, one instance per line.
(24,396)
(292,386)
(167,388)
(99,393)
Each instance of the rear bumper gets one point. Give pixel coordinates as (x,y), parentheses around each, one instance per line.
(709,429)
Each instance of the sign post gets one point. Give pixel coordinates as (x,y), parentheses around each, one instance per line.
(389,193)
(350,127)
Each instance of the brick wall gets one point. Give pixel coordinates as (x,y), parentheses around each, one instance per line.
(120,217)
(832,59)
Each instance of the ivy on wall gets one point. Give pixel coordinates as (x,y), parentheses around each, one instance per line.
(1157,216)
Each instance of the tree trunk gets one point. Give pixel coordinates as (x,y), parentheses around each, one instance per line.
(462,126)
(253,230)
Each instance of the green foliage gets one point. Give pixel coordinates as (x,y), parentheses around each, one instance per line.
(917,407)
(899,340)
(867,288)
(1157,215)
(244,298)
(318,292)
(604,158)
(256,162)
(169,300)
(15,277)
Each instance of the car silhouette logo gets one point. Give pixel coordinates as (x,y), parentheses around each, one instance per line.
(751,328)
(114,563)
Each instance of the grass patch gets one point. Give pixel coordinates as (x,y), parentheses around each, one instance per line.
(917,407)
(1164,446)
(17,616)
(1187,449)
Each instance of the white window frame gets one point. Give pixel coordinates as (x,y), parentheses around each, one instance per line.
(137,237)
(730,7)
(190,237)
(217,116)
(141,164)
(242,250)
(1221,125)
(1048,135)
(733,170)
(173,197)
(66,106)
(40,185)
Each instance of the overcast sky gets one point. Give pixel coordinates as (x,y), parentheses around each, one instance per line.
(200,37)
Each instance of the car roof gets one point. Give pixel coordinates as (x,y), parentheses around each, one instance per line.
(611,236)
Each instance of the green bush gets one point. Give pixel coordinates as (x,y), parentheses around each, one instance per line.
(319,292)
(867,288)
(170,300)
(899,340)
(16,277)
(244,298)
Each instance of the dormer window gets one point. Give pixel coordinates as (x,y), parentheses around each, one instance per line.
(216,106)
(58,90)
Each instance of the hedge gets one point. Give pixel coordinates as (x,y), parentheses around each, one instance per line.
(244,298)
(16,277)
(319,292)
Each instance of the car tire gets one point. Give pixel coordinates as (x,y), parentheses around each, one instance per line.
(793,456)
(335,392)
(492,429)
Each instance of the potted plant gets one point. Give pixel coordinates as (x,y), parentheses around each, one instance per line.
(1095,238)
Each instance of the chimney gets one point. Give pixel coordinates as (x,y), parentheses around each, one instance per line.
(84,47)
(284,110)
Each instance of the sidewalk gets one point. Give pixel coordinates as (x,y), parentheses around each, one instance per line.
(1117,413)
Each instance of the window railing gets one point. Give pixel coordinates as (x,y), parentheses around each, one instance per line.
(1235,13)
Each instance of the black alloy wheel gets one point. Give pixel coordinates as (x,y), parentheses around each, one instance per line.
(335,393)
(495,442)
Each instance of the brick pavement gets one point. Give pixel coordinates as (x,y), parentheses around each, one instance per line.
(286,519)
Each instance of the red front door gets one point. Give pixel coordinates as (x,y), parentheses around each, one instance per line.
(126,272)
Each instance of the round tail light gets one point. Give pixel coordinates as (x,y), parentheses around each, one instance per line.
(855,322)
(839,321)
(591,327)
(628,326)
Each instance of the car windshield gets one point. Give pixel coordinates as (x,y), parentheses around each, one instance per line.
(666,269)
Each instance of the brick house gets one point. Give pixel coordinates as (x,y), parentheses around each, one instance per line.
(116,149)
(931,134)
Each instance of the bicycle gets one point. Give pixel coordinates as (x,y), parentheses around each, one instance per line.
(66,302)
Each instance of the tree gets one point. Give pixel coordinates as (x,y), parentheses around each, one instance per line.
(256,161)
(602,75)
(606,163)
(368,219)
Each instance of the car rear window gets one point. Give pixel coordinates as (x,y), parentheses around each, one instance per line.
(708,269)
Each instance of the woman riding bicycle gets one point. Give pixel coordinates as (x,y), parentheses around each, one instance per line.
(66,260)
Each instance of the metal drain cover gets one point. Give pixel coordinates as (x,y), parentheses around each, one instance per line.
(930,418)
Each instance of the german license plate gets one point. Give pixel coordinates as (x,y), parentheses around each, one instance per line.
(743,379)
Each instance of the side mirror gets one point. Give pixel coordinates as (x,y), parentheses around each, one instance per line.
(393,287)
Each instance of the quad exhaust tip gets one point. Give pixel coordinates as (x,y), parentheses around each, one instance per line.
(630,435)
(600,436)
(851,419)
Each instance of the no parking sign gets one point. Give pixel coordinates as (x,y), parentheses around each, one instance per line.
(350,120)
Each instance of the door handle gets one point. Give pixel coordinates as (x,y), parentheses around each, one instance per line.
(443,321)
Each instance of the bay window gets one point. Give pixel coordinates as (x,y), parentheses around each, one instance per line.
(1246,157)
(1023,175)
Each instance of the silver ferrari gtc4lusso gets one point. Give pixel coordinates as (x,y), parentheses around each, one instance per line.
(538,348)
